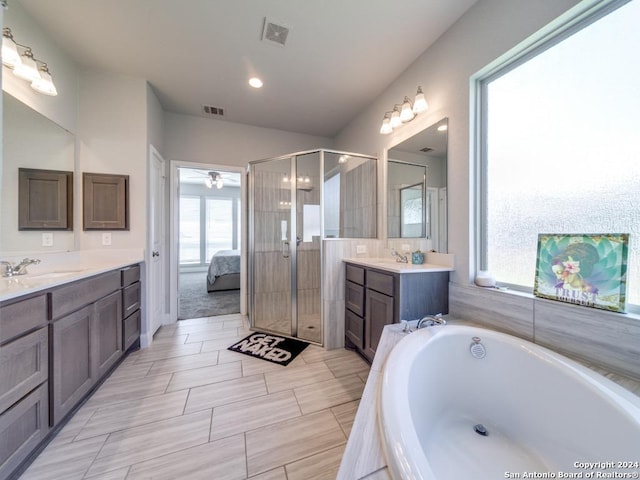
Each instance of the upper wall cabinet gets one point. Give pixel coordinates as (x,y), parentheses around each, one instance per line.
(45,199)
(105,202)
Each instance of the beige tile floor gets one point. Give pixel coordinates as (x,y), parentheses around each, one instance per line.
(187,408)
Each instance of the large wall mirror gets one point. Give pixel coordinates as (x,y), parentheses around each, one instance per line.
(417,187)
(30,141)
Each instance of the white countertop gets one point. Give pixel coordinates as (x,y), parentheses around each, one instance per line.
(58,269)
(435,262)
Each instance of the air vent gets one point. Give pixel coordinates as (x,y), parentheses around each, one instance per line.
(213,111)
(426,149)
(274,33)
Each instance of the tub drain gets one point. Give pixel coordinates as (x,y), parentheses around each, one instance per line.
(481,430)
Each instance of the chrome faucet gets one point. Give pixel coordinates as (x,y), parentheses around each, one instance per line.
(18,268)
(431,320)
(399,257)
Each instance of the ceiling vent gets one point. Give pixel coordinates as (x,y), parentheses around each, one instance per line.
(426,149)
(274,33)
(213,111)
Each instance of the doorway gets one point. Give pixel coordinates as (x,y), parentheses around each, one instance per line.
(209,241)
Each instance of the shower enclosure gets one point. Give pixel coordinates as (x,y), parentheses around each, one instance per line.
(295,202)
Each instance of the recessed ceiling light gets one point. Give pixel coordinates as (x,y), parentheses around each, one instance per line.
(255,82)
(442,128)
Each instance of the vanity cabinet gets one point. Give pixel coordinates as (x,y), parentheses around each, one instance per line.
(130,306)
(86,335)
(56,346)
(375,298)
(24,371)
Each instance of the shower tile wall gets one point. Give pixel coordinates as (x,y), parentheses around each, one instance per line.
(603,338)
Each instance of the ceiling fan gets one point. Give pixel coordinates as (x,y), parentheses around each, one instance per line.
(210,178)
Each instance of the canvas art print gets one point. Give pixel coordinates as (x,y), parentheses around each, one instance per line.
(589,270)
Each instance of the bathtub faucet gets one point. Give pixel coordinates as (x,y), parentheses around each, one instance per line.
(18,268)
(431,320)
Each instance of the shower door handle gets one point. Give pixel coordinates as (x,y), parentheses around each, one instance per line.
(285,248)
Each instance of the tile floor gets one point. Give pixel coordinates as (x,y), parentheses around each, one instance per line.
(187,408)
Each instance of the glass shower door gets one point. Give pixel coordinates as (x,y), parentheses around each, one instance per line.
(272,253)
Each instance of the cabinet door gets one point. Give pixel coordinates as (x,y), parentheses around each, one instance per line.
(354,328)
(106,332)
(24,364)
(72,372)
(22,428)
(105,201)
(379,312)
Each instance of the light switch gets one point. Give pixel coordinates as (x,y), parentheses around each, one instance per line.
(361,249)
(47,239)
(106,238)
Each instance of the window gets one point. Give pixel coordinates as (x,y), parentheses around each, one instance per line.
(561,143)
(189,230)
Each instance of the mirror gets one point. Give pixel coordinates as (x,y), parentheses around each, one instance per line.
(417,187)
(30,141)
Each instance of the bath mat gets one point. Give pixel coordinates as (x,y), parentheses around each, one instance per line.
(265,346)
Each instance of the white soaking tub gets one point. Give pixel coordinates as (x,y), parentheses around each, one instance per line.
(460,403)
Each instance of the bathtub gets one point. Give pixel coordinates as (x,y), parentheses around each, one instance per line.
(455,408)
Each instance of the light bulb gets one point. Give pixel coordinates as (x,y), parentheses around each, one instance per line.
(406,115)
(219,183)
(44,83)
(395,118)
(10,54)
(385,128)
(209,182)
(27,69)
(420,103)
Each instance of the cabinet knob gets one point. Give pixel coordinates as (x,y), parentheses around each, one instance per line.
(155,254)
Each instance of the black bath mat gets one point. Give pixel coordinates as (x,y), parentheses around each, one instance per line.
(273,348)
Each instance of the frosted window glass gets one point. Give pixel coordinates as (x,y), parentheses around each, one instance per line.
(563,143)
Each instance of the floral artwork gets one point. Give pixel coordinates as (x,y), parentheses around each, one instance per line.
(589,270)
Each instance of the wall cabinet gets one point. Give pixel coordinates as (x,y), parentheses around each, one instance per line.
(375,298)
(45,200)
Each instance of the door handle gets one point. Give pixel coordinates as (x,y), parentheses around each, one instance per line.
(285,248)
(155,253)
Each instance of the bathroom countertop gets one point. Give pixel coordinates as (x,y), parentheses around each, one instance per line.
(435,262)
(364,456)
(58,269)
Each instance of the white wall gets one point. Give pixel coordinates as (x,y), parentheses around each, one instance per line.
(205,140)
(112,138)
(486,31)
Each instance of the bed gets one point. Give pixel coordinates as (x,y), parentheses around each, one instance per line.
(224,271)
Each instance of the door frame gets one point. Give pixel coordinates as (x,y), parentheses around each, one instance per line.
(174,230)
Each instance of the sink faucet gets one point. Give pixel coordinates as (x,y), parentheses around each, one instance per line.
(399,258)
(18,268)
(430,321)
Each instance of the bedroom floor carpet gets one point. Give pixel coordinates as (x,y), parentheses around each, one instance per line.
(196,302)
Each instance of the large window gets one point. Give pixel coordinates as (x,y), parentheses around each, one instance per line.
(561,146)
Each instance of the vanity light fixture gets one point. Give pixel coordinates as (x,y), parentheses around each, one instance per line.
(21,60)
(404,113)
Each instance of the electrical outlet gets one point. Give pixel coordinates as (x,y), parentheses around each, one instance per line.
(47,239)
(406,247)
(106,238)
(361,249)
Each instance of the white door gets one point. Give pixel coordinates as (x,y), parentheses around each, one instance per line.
(156,257)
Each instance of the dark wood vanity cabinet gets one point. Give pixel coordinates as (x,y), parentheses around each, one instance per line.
(131,291)
(56,347)
(24,372)
(375,298)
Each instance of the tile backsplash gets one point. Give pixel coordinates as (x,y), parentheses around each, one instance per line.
(607,339)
